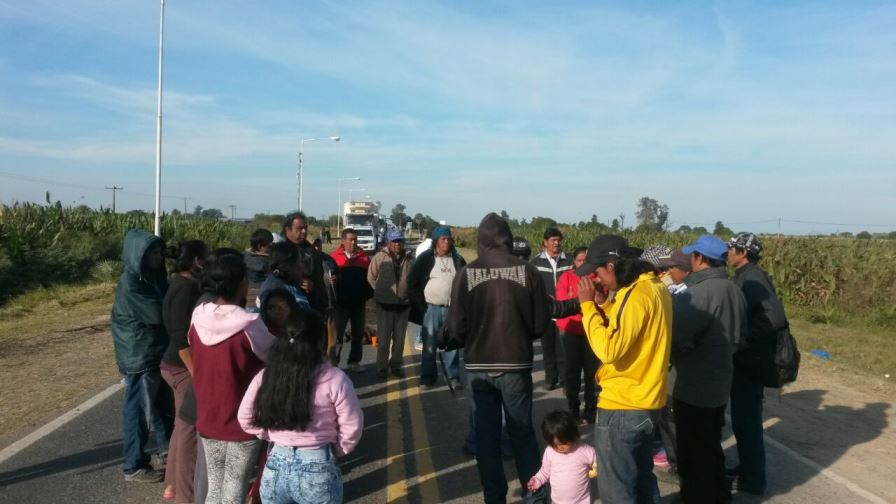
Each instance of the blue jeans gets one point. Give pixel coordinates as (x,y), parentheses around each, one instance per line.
(145,406)
(433,321)
(623,440)
(306,475)
(512,394)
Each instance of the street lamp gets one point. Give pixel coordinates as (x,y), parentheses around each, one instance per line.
(300,188)
(157,223)
(339,203)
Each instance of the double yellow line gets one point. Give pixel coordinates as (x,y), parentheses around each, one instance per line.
(397,445)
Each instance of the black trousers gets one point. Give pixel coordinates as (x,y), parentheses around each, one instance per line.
(580,359)
(701,461)
(553,355)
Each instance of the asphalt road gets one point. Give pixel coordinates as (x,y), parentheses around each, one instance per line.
(410,452)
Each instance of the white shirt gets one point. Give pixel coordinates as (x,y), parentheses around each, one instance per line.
(438,289)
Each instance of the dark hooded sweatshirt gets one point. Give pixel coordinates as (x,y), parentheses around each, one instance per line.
(499,304)
(138,333)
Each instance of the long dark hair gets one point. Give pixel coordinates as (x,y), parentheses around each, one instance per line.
(225,275)
(286,396)
(629,269)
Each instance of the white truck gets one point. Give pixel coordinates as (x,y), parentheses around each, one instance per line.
(364,218)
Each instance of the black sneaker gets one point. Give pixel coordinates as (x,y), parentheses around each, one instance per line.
(398,372)
(145,476)
(382,373)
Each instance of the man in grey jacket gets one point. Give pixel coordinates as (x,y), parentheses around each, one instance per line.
(707,327)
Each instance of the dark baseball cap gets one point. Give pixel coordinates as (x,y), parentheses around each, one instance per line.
(604,249)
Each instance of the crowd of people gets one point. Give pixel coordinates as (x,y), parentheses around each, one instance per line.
(257,402)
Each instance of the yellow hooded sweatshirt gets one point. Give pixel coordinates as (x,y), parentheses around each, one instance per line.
(632,335)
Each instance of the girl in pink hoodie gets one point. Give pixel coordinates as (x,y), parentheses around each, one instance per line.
(230,346)
(309,411)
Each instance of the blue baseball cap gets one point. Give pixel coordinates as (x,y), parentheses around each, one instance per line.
(396,235)
(708,246)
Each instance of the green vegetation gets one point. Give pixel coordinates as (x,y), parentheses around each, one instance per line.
(823,279)
(47,245)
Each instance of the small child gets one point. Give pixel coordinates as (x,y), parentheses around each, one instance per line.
(567,463)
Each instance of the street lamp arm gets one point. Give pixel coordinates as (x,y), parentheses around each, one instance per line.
(299,173)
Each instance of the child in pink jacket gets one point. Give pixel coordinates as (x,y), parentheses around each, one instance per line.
(568,464)
(308,410)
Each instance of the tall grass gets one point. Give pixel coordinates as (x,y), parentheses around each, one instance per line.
(45,245)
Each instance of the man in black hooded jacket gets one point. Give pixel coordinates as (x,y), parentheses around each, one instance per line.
(499,306)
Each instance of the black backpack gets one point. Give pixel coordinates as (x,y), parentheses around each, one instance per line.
(774,368)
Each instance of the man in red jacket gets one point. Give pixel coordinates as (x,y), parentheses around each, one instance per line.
(352,292)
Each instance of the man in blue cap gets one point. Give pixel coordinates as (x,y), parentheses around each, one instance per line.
(707,326)
(429,289)
(388,275)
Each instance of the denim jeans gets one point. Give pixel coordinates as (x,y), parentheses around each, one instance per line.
(146,404)
(433,321)
(301,475)
(512,394)
(746,422)
(623,440)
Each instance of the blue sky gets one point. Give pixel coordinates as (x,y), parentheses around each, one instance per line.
(743,111)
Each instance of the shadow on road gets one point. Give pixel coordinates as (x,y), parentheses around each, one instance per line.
(821,433)
(97,458)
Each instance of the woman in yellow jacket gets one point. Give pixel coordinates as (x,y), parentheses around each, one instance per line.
(631,334)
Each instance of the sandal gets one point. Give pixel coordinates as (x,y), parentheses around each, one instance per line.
(169,494)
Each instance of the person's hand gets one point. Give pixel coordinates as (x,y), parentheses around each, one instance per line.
(586,290)
(600,293)
(532,485)
(306,285)
(589,291)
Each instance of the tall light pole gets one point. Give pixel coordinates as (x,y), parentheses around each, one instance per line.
(339,203)
(300,188)
(158,225)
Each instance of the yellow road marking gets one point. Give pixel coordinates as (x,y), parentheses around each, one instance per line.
(426,475)
(397,489)
(397,485)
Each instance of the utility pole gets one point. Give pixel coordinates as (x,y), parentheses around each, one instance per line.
(232,210)
(113,189)
(185,198)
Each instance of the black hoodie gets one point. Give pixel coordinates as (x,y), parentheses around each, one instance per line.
(498,304)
